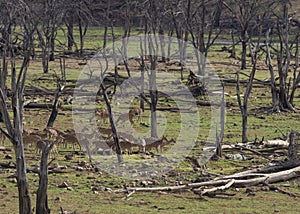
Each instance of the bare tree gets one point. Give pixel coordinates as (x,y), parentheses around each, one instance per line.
(42,195)
(245,14)
(243,104)
(200,18)
(60,81)
(13,123)
(48,17)
(104,70)
(282,50)
(220,133)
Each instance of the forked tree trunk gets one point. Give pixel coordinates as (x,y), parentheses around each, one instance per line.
(55,107)
(42,195)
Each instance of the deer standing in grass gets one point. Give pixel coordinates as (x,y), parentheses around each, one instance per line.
(134,113)
(41,143)
(158,144)
(103,114)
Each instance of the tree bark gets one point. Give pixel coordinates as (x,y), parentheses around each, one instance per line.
(70,36)
(42,195)
(113,126)
(22,181)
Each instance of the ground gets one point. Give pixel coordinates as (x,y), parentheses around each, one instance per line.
(91,190)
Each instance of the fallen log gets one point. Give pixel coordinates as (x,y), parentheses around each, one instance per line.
(234,182)
(253,151)
(215,189)
(258,171)
(38,105)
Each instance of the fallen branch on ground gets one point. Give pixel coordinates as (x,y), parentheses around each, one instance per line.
(225,182)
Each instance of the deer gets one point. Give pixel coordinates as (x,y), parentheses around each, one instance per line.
(131,115)
(105,131)
(125,144)
(29,136)
(135,113)
(103,114)
(159,144)
(69,136)
(39,147)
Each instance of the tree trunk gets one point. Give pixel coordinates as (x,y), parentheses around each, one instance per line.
(105,37)
(275,102)
(22,182)
(233,51)
(54,111)
(42,195)
(52,47)
(82,32)
(153,96)
(162,45)
(143,68)
(245,126)
(45,60)
(70,35)
(244,50)
(113,126)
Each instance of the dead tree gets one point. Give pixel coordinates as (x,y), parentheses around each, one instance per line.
(294,147)
(42,195)
(200,24)
(282,50)
(152,44)
(245,13)
(47,25)
(244,104)
(108,106)
(13,122)
(220,134)
(60,87)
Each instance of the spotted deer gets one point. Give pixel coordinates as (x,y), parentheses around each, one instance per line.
(40,145)
(133,115)
(105,131)
(69,137)
(125,144)
(103,114)
(30,137)
(157,144)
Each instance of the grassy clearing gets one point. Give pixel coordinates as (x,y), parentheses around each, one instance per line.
(82,199)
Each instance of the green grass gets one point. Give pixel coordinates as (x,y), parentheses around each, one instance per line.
(83,200)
